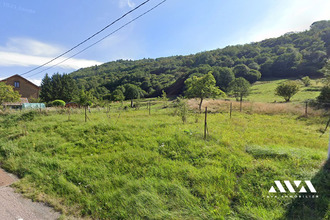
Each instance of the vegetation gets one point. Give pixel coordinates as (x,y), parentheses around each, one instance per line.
(128,163)
(291,55)
(59,86)
(264,91)
(155,167)
(7,93)
(133,92)
(324,97)
(202,87)
(58,103)
(287,90)
(306,80)
(240,88)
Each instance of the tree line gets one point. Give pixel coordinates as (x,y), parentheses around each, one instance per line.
(291,55)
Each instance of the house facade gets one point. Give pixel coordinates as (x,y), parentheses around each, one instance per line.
(26,88)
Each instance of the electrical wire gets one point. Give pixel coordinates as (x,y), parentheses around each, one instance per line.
(115,21)
(101,38)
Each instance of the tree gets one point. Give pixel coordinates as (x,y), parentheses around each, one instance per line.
(326,72)
(240,88)
(223,76)
(244,71)
(7,93)
(133,92)
(164,98)
(287,90)
(117,95)
(306,80)
(59,86)
(324,97)
(85,98)
(241,70)
(46,89)
(202,87)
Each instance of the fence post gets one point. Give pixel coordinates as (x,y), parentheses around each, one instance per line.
(86,113)
(149,107)
(205,124)
(306,107)
(231,109)
(240,105)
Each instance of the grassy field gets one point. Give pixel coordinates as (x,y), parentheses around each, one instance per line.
(128,164)
(263,91)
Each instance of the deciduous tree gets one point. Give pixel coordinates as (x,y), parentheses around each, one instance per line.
(202,87)
(287,90)
(240,88)
(7,93)
(133,92)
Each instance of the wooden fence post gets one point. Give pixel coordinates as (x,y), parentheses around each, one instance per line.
(205,124)
(149,107)
(240,105)
(306,107)
(231,109)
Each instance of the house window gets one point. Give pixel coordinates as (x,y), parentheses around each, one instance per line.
(16,84)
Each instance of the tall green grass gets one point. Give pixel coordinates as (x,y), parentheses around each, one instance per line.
(128,164)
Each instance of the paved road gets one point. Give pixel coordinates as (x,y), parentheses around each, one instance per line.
(14,207)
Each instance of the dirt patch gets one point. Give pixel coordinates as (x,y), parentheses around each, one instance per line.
(6,179)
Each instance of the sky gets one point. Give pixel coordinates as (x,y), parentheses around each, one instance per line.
(36,31)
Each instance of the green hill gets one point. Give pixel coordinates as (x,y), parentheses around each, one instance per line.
(291,55)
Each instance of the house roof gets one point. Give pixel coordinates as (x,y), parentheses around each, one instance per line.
(4,80)
(22,100)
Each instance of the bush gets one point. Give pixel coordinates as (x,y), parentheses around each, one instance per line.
(306,80)
(324,97)
(287,90)
(58,103)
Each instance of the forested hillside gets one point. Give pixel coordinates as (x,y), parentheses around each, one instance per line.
(291,55)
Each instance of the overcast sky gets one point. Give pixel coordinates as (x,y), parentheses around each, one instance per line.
(35,31)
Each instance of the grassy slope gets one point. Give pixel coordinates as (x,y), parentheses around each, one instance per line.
(139,166)
(263,91)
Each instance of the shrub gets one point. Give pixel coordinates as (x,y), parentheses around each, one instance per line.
(287,90)
(324,97)
(306,80)
(58,103)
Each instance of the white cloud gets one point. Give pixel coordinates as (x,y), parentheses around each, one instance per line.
(28,52)
(31,47)
(16,59)
(126,3)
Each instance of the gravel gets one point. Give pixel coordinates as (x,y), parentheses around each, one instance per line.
(13,206)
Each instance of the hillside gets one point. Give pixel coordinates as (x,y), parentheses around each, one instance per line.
(263,91)
(291,55)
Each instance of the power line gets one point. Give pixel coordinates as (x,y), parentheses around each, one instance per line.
(102,38)
(124,15)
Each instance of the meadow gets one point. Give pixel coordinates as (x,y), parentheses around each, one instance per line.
(264,91)
(127,164)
